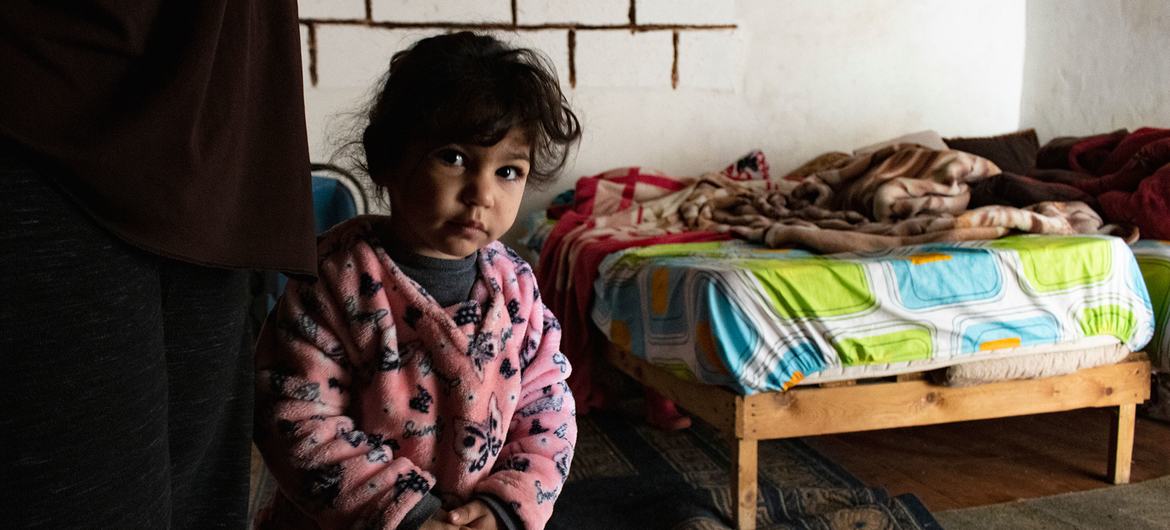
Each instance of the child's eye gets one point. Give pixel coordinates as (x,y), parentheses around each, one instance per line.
(450,157)
(510,173)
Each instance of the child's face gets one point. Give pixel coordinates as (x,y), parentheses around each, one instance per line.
(458,198)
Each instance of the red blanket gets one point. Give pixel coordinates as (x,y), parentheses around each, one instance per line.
(1132,177)
(573,302)
(608,216)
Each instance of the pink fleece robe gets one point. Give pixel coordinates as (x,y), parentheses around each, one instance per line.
(370,395)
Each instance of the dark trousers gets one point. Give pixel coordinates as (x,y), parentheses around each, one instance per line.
(125,379)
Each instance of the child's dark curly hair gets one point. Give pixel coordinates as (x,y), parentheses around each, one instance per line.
(469,88)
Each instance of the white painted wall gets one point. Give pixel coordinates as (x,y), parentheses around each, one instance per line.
(1093,66)
(793,77)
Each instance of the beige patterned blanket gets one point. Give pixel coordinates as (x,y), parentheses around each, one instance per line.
(900,195)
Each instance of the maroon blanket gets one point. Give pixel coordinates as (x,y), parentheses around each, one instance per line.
(1129,173)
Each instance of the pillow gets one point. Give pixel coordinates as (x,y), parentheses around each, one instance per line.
(927,138)
(1012,152)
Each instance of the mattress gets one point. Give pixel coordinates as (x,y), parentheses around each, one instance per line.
(756,319)
(1060,361)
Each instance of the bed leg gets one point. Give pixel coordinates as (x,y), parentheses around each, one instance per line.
(744,482)
(1121,443)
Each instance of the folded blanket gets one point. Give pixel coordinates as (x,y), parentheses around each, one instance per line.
(899,195)
(897,182)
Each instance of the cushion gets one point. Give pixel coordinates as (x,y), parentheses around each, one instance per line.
(1012,152)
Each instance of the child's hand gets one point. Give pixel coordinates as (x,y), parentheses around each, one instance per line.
(438,521)
(474,514)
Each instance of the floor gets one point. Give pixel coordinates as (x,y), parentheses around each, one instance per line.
(976,463)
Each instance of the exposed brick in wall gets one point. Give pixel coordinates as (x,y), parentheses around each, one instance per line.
(592,43)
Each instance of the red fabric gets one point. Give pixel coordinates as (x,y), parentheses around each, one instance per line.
(639,184)
(636,183)
(1089,154)
(753,166)
(573,305)
(1133,184)
(612,211)
(1128,147)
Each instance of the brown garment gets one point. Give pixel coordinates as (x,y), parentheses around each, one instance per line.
(179,126)
(1009,189)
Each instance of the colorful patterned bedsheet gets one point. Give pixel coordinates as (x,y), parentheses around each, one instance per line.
(757,319)
(1153,257)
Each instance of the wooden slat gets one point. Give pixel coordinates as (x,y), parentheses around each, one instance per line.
(744,457)
(715,405)
(1121,444)
(814,411)
(839,384)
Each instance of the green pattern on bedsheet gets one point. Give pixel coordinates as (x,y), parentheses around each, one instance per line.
(908,345)
(1109,319)
(817,287)
(1058,263)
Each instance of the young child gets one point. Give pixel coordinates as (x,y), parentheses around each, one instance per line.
(418,383)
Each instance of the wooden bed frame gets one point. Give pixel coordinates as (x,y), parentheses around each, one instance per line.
(908,400)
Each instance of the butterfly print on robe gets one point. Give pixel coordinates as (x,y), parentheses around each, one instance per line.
(421,401)
(520,266)
(542,495)
(304,390)
(477,441)
(481,348)
(562,460)
(368,318)
(517,463)
(506,369)
(411,481)
(368,287)
(414,353)
(543,404)
(514,312)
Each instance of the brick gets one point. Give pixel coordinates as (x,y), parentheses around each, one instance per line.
(332,9)
(444,11)
(690,12)
(710,60)
(554,44)
(357,56)
(589,12)
(616,58)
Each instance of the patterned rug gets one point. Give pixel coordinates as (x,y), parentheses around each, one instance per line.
(627,475)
